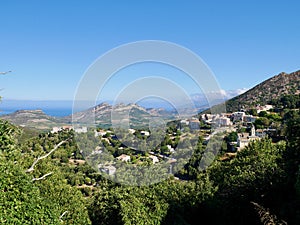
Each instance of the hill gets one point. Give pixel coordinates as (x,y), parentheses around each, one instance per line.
(138,116)
(36,119)
(101,114)
(263,93)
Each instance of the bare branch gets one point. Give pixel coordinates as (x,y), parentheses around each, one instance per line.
(45,156)
(43,177)
(61,216)
(266,217)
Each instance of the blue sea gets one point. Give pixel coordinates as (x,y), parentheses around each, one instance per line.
(56,112)
(51,108)
(64,108)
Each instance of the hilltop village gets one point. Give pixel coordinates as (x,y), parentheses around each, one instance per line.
(207,164)
(134,146)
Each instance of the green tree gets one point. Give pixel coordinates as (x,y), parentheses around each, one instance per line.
(262,114)
(21,200)
(262,122)
(256,171)
(39,195)
(253,112)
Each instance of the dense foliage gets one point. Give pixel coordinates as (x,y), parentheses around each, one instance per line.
(260,183)
(25,200)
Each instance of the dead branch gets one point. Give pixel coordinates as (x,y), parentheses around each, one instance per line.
(42,177)
(61,216)
(45,156)
(266,217)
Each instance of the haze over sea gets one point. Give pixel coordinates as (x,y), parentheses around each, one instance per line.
(61,108)
(51,108)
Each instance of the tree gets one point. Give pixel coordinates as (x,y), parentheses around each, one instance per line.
(21,201)
(167,202)
(262,122)
(231,137)
(253,112)
(263,114)
(40,194)
(255,172)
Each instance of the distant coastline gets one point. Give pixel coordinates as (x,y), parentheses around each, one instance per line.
(51,108)
(56,108)
(55,112)
(61,108)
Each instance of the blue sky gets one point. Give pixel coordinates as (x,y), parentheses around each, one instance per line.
(49,44)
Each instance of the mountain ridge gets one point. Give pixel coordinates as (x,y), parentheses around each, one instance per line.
(100,114)
(32,118)
(266,91)
(261,94)
(103,114)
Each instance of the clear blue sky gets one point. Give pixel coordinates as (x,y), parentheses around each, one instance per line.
(49,44)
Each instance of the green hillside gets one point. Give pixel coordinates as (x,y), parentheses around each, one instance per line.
(267,91)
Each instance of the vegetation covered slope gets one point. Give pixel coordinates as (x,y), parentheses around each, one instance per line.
(100,114)
(36,119)
(27,197)
(44,179)
(259,185)
(263,93)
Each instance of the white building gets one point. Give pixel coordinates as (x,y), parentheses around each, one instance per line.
(110,170)
(81,130)
(223,121)
(194,124)
(184,122)
(207,117)
(170,148)
(132,131)
(100,133)
(154,159)
(263,108)
(238,116)
(245,138)
(242,140)
(124,158)
(55,129)
(145,133)
(260,133)
(249,118)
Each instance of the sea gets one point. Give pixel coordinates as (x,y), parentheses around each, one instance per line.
(63,108)
(56,112)
(51,108)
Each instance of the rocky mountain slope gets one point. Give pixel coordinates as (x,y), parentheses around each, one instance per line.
(273,88)
(101,115)
(263,93)
(104,113)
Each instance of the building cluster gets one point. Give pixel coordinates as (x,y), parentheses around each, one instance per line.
(68,128)
(260,108)
(107,135)
(238,122)
(220,120)
(244,138)
(110,169)
(192,123)
(235,121)
(228,119)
